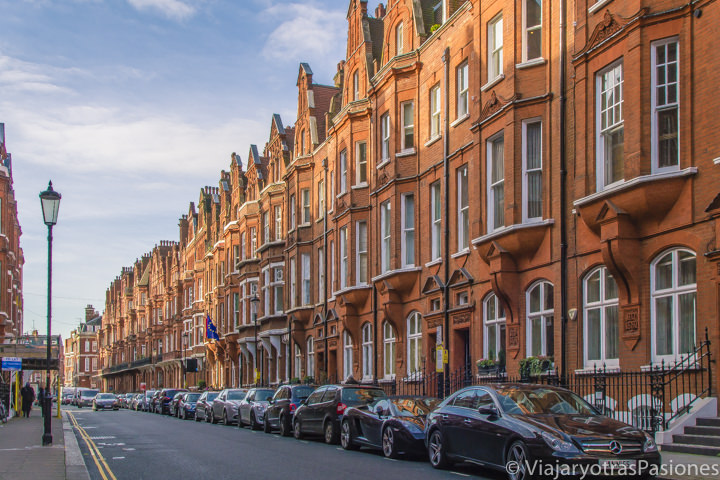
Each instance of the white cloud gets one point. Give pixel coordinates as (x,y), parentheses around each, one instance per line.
(306,33)
(173,9)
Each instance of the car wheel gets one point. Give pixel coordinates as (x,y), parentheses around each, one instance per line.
(266,425)
(389,445)
(285,426)
(213,420)
(207,416)
(331,434)
(346,440)
(297,430)
(225,419)
(254,425)
(518,453)
(436,451)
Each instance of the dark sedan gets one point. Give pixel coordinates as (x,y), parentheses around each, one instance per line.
(395,425)
(187,405)
(282,407)
(323,410)
(163,399)
(203,407)
(535,426)
(105,401)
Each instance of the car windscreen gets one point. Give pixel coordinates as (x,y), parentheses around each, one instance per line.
(525,401)
(171,393)
(91,393)
(414,407)
(212,396)
(105,396)
(236,395)
(193,397)
(361,396)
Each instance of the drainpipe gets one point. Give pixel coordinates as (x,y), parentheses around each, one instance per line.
(446,227)
(563,192)
(325,255)
(375,333)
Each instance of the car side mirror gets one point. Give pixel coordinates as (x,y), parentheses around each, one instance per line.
(492,411)
(271,401)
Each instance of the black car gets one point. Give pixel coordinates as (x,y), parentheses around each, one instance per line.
(395,425)
(187,404)
(203,407)
(163,398)
(323,410)
(538,425)
(282,407)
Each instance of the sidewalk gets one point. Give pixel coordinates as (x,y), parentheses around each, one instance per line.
(689,466)
(23,456)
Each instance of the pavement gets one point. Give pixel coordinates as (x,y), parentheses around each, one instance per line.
(23,456)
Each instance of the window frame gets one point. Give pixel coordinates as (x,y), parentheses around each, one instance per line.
(526,31)
(343,171)
(385,235)
(399,39)
(435,111)
(436,220)
(602,304)
(389,351)
(602,134)
(526,172)
(494,49)
(306,212)
(343,257)
(347,355)
(492,186)
(407,129)
(407,244)
(306,273)
(463,210)
(414,339)
(361,255)
(499,322)
(292,212)
(361,164)
(462,85)
(367,351)
(385,137)
(655,125)
(544,314)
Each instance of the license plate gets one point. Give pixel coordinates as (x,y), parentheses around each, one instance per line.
(615,463)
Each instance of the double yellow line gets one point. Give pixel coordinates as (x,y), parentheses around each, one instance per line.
(99,460)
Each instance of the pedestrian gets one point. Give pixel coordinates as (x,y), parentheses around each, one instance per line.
(28,397)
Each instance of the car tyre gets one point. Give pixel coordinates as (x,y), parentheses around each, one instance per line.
(207,417)
(346,440)
(297,430)
(225,419)
(331,433)
(389,445)
(437,453)
(266,426)
(254,425)
(285,426)
(213,420)
(519,454)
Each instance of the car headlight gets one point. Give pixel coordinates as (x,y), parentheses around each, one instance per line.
(558,444)
(649,445)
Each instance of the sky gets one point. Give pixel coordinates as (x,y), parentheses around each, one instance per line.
(130,107)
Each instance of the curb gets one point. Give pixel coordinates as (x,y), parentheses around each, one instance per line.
(75,468)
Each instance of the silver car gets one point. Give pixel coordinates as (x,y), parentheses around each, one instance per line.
(105,401)
(252,408)
(225,405)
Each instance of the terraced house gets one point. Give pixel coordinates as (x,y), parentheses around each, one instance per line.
(498,180)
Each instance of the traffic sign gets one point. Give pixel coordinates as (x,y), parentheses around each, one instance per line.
(143,386)
(11,363)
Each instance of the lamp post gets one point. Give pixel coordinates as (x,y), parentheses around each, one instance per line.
(184,345)
(254,300)
(50,202)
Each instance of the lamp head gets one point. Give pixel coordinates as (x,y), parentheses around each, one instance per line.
(50,202)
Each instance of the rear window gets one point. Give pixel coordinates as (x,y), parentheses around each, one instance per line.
(361,396)
(193,397)
(172,393)
(212,396)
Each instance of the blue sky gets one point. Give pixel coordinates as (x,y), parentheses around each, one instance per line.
(130,107)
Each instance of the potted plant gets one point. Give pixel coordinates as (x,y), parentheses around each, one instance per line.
(534,366)
(486,365)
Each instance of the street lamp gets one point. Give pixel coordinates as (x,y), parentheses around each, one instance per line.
(50,202)
(184,344)
(254,300)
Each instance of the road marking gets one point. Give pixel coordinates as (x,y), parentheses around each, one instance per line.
(118,458)
(461,474)
(129,449)
(98,458)
(391,459)
(304,441)
(105,437)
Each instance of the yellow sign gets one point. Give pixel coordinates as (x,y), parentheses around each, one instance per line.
(257,375)
(440,356)
(445,356)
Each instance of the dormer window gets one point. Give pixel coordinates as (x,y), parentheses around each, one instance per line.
(439,13)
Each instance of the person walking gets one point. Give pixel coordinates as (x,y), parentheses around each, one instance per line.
(28,397)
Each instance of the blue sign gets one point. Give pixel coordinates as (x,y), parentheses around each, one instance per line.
(11,363)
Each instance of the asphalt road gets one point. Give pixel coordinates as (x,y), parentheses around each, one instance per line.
(136,445)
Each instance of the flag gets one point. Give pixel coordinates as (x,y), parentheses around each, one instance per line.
(210,329)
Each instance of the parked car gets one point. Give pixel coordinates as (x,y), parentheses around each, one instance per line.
(497,424)
(145,403)
(395,425)
(105,401)
(153,403)
(163,399)
(128,399)
(85,397)
(251,409)
(173,404)
(203,407)
(135,400)
(187,405)
(286,400)
(225,405)
(323,410)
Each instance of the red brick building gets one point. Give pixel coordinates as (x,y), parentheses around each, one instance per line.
(81,352)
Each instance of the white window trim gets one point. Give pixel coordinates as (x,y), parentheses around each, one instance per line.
(435,223)
(358,182)
(525,186)
(399,39)
(463,90)
(305,221)
(385,138)
(490,195)
(435,112)
(492,48)
(654,150)
(417,339)
(392,341)
(497,322)
(367,346)
(358,253)
(462,235)
(675,291)
(347,355)
(306,275)
(599,143)
(602,304)
(542,314)
(405,126)
(343,257)
(404,242)
(525,30)
(386,236)
(343,171)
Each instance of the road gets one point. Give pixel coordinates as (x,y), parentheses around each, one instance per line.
(136,445)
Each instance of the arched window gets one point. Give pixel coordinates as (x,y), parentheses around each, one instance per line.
(414,342)
(310,357)
(673,286)
(388,351)
(493,328)
(600,314)
(539,308)
(367,351)
(347,354)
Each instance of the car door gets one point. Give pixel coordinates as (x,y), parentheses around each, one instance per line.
(218,405)
(313,411)
(272,414)
(454,421)
(371,423)
(245,406)
(485,433)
